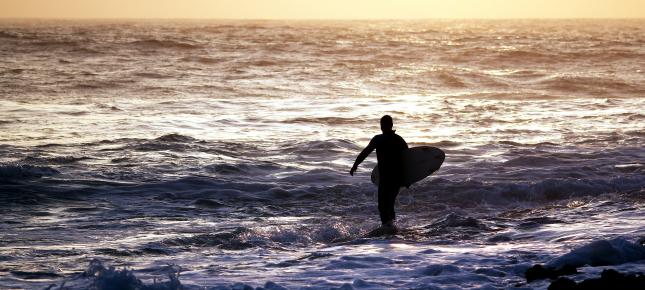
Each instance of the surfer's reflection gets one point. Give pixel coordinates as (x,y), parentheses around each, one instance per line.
(389,153)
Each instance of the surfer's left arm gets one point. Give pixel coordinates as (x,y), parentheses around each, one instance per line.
(366,152)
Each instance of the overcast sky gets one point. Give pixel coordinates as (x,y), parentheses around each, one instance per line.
(322,9)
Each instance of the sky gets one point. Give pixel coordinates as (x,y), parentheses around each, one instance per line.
(322,9)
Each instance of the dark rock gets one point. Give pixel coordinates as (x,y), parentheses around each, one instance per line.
(538,272)
(612,279)
(609,279)
(562,283)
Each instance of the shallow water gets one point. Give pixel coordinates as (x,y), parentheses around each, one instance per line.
(223,150)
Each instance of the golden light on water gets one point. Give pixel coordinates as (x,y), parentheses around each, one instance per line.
(316,9)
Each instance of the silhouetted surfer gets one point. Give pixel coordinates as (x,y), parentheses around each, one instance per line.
(389,153)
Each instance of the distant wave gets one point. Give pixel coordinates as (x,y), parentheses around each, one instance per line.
(9,172)
(57,43)
(520,144)
(522,55)
(9,35)
(6,122)
(320,148)
(448,79)
(53,160)
(243,168)
(74,113)
(13,71)
(533,161)
(161,44)
(202,59)
(263,63)
(151,75)
(440,144)
(174,137)
(86,50)
(589,84)
(98,84)
(175,142)
(324,120)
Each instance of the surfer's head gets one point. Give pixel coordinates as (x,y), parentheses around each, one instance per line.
(386,124)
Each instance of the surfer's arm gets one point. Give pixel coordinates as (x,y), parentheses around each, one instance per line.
(366,152)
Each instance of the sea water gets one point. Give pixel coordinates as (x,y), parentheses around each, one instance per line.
(215,154)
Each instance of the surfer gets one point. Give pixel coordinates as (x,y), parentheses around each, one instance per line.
(389,154)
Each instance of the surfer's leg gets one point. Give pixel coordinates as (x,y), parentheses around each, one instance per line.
(386,198)
(394,191)
(382,203)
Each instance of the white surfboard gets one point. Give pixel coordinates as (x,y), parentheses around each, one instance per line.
(418,163)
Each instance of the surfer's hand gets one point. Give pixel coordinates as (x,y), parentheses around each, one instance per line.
(351,171)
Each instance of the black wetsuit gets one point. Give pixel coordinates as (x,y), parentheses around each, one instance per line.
(389,153)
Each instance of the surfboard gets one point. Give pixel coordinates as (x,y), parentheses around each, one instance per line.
(418,163)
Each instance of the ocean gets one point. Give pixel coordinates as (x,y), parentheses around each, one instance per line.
(216,154)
